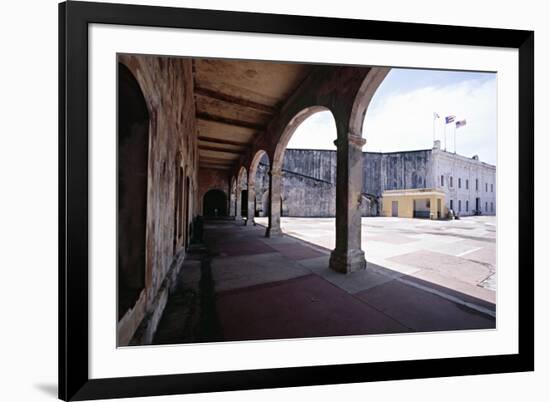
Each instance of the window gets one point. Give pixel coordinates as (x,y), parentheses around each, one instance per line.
(492,207)
(459,205)
(442,180)
(451,204)
(459,182)
(486,209)
(491,187)
(486,187)
(451,181)
(477,184)
(467,184)
(467,205)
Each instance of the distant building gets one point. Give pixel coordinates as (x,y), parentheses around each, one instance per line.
(423,183)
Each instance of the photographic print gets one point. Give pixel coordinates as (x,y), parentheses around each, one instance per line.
(256,200)
(251,208)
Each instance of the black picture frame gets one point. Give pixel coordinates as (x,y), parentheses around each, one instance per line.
(74,18)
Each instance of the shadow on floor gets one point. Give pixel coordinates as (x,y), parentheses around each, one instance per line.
(240,285)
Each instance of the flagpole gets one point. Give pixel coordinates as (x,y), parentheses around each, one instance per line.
(455,137)
(445,133)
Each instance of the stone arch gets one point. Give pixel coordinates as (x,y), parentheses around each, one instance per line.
(133,145)
(138,77)
(253,191)
(290,127)
(252,169)
(240,176)
(364,95)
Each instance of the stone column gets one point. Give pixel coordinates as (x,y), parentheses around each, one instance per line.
(231,209)
(251,197)
(348,256)
(274,213)
(238,197)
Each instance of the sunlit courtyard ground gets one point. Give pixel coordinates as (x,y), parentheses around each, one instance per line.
(458,255)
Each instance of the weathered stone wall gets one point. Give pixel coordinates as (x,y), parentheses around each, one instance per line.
(210,179)
(317,164)
(396,170)
(167,86)
(309,180)
(306,196)
(309,177)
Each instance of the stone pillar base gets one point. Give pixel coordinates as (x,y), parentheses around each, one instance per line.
(273,232)
(346,262)
(249,222)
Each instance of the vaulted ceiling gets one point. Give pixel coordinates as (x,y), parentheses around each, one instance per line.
(235,100)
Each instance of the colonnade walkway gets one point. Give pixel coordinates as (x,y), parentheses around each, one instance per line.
(240,285)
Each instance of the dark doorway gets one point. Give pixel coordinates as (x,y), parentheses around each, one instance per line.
(214,203)
(478,206)
(133,151)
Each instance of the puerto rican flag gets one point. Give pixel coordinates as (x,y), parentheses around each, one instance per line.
(460,123)
(450,119)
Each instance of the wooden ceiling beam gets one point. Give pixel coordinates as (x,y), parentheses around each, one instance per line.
(214,149)
(209,93)
(215,167)
(226,120)
(223,141)
(218,161)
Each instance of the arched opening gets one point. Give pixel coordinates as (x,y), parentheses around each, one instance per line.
(259,183)
(306,160)
(214,203)
(133,151)
(241,194)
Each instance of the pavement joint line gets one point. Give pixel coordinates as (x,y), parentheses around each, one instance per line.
(448,297)
(469,251)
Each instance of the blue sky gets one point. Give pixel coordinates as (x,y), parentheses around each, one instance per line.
(400,116)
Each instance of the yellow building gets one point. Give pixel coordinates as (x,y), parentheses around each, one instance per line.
(414,203)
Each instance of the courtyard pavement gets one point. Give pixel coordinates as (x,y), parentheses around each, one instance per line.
(457,254)
(245,286)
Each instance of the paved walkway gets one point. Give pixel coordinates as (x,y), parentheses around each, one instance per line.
(243,286)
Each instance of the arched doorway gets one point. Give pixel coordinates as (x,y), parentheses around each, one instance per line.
(133,152)
(214,203)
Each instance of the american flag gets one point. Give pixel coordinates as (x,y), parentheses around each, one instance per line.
(460,123)
(449,119)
